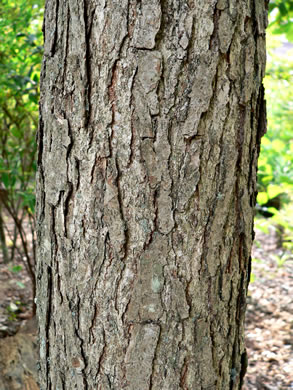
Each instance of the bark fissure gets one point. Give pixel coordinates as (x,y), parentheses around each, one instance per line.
(151,116)
(54,35)
(88,23)
(155,358)
(47,325)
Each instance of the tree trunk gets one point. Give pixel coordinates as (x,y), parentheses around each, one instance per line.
(151,116)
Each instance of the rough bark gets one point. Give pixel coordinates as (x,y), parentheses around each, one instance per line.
(151,116)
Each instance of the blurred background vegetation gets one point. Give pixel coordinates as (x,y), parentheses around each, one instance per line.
(275,173)
(20,63)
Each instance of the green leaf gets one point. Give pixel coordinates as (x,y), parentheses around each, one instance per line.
(16,132)
(274,190)
(273,210)
(36,78)
(262,198)
(16,268)
(282,9)
(33,98)
(5,179)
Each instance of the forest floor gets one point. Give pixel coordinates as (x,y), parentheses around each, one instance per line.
(269,320)
(269,316)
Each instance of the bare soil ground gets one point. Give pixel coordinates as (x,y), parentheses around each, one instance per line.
(269,317)
(15,298)
(269,322)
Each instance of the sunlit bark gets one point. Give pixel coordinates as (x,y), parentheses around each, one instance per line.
(151,119)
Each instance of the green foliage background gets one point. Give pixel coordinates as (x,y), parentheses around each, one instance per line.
(275,173)
(20,61)
(281,17)
(275,163)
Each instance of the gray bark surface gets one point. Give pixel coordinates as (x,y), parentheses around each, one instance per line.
(151,116)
